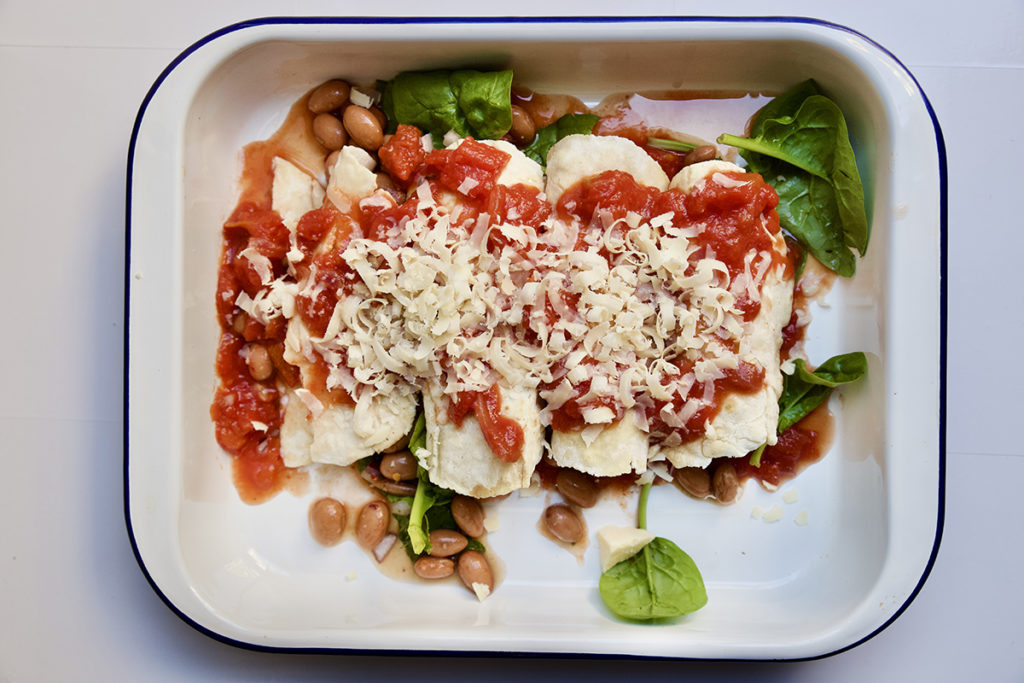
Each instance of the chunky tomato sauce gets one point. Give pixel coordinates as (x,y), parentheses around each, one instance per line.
(503,435)
(799,446)
(737,218)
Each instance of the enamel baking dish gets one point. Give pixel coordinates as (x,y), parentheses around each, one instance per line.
(858,531)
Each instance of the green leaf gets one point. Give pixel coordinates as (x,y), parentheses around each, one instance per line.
(485,99)
(659,582)
(800,144)
(803,391)
(466,101)
(547,136)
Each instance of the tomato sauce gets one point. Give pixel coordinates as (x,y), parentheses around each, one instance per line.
(735,218)
(503,434)
(799,446)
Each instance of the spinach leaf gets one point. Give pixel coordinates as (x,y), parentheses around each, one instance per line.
(659,582)
(800,144)
(673,145)
(803,391)
(466,101)
(552,133)
(431,506)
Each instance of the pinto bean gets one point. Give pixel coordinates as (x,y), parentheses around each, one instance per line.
(446,542)
(523,129)
(328,96)
(725,483)
(563,523)
(699,154)
(475,569)
(329,131)
(694,480)
(399,466)
(469,515)
(363,127)
(576,487)
(428,567)
(372,524)
(327,521)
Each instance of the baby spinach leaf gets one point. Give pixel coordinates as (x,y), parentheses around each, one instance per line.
(800,144)
(659,582)
(466,101)
(803,391)
(553,132)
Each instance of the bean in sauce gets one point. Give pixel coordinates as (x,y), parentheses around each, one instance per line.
(475,569)
(372,524)
(446,542)
(563,523)
(327,521)
(428,567)
(469,515)
(576,487)
(328,96)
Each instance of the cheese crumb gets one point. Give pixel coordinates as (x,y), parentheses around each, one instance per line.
(801,518)
(491,523)
(482,590)
(791,496)
(774,514)
(351,576)
(757,512)
(618,543)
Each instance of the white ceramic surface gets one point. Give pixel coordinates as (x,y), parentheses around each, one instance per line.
(253,576)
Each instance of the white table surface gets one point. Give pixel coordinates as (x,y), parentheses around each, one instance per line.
(73,603)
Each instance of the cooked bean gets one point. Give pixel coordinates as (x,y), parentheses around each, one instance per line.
(576,487)
(260,365)
(397,488)
(400,445)
(699,154)
(399,466)
(428,567)
(474,568)
(329,131)
(331,159)
(469,515)
(363,127)
(372,523)
(523,130)
(446,542)
(725,483)
(563,523)
(381,117)
(240,322)
(328,96)
(327,521)
(694,480)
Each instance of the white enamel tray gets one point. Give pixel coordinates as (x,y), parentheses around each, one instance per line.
(252,576)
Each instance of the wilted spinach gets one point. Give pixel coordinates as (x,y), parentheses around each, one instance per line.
(803,391)
(552,133)
(659,582)
(466,101)
(799,143)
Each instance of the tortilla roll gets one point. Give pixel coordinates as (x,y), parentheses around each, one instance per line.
(459,456)
(460,459)
(744,421)
(619,447)
(315,430)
